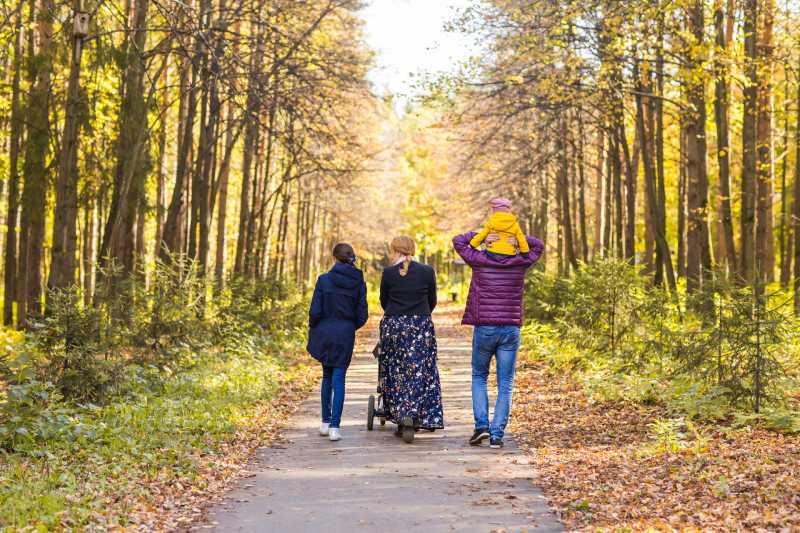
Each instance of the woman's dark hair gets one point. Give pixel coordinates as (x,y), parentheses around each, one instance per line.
(344,253)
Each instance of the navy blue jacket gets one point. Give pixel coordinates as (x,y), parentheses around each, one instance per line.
(338,309)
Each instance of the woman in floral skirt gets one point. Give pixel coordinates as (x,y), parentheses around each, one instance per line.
(411,390)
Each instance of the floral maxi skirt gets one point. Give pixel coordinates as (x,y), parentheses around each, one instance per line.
(410,382)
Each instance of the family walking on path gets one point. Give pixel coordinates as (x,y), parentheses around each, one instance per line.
(499,255)
(371,481)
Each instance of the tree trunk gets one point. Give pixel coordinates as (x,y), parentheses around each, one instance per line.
(796,208)
(656,213)
(599,205)
(161,171)
(89,240)
(630,198)
(607,244)
(10,263)
(659,145)
(173,241)
(32,223)
(62,269)
(698,254)
(582,189)
(118,247)
(765,257)
(721,105)
(785,229)
(749,129)
(682,202)
(563,186)
(222,207)
(618,207)
(251,118)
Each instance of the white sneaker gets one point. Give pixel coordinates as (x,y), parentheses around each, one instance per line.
(334,434)
(323,429)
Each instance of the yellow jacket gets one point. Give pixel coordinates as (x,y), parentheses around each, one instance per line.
(504,224)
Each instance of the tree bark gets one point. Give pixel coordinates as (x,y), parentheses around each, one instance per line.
(785,234)
(747,265)
(765,257)
(581,161)
(563,187)
(599,205)
(10,260)
(62,268)
(161,170)
(796,208)
(252,116)
(698,254)
(32,223)
(721,106)
(118,248)
(656,210)
(681,259)
(174,232)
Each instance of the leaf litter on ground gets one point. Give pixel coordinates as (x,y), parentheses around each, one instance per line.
(622,466)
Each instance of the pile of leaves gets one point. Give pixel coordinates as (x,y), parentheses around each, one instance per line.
(616,466)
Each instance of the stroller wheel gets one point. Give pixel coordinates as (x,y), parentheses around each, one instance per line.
(408,430)
(383,421)
(370,412)
(431,430)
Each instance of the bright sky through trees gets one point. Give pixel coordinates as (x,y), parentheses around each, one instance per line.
(409,38)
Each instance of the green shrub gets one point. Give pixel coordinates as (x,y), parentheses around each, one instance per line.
(70,350)
(32,412)
(633,342)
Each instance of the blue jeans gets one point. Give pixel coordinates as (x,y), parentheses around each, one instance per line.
(501,342)
(332,395)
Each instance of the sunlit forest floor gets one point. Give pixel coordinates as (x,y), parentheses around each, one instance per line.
(152,457)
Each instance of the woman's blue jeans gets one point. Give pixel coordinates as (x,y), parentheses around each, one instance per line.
(332,395)
(501,342)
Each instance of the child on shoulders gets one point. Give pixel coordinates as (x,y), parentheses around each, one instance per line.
(503,223)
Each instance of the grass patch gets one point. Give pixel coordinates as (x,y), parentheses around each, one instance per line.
(163,446)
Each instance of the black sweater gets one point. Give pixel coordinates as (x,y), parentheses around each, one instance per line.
(412,294)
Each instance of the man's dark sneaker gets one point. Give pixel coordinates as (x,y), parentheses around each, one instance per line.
(479,436)
(495,443)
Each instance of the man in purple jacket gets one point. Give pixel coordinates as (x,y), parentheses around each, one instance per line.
(494,307)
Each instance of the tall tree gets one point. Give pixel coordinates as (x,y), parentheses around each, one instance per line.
(118,246)
(747,266)
(32,223)
(10,291)
(721,108)
(698,254)
(65,238)
(765,258)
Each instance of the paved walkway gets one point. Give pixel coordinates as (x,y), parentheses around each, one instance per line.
(371,481)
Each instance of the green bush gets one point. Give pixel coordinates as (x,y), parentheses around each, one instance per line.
(70,350)
(634,342)
(32,412)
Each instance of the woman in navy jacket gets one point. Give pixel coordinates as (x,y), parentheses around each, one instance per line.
(338,309)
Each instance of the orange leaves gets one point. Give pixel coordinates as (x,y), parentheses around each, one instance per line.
(589,460)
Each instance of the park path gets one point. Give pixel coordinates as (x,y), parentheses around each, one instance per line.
(371,481)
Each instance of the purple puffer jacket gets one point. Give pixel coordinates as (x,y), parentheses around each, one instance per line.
(495,294)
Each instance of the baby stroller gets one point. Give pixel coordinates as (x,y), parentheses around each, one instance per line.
(376,408)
